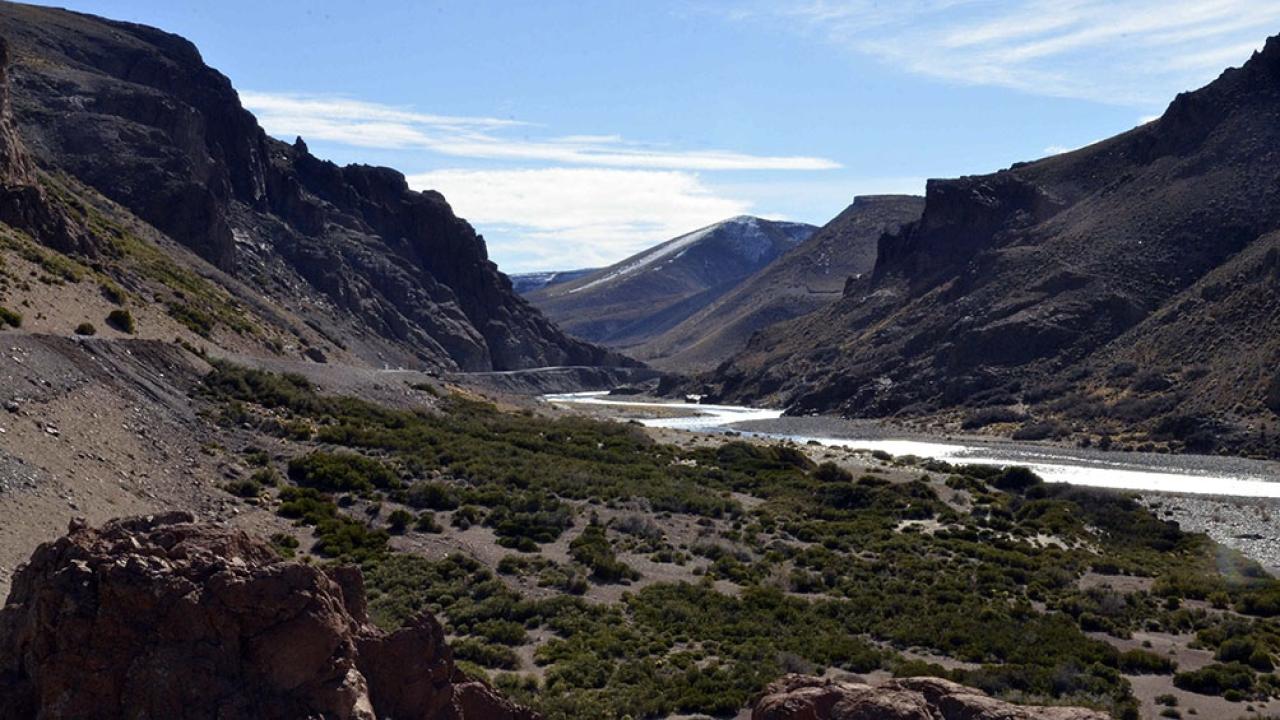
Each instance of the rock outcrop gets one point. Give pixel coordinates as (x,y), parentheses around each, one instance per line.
(23,204)
(163,617)
(135,114)
(797,697)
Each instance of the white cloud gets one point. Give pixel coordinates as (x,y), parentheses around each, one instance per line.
(1136,52)
(370,125)
(562,218)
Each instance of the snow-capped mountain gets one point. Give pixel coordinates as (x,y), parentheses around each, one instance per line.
(635,299)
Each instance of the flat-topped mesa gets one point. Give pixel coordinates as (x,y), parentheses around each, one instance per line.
(160,616)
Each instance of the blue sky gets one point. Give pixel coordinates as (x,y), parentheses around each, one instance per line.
(574,134)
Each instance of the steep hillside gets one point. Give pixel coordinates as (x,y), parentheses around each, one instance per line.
(1122,287)
(632,301)
(140,142)
(525,283)
(806,278)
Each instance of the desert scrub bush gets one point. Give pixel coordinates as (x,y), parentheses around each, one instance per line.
(341,472)
(1143,662)
(121,320)
(426,523)
(196,320)
(86,328)
(1218,679)
(398,521)
(10,317)
(593,549)
(112,292)
(337,535)
(285,544)
(244,488)
(485,654)
(431,496)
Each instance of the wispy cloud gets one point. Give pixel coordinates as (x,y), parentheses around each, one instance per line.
(1137,52)
(370,125)
(578,217)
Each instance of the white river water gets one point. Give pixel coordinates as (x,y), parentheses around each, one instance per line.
(1122,471)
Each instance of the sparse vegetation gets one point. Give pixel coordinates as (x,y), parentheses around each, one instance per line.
(828,569)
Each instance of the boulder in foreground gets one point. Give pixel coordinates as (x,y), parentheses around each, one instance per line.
(163,617)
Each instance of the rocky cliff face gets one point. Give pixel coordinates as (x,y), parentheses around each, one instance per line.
(23,204)
(134,113)
(1035,285)
(796,697)
(162,617)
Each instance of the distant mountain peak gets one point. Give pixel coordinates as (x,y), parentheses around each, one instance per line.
(658,287)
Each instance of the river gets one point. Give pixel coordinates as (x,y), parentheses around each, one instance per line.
(1145,472)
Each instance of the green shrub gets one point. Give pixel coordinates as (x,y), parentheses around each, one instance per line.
(121,320)
(1217,679)
(196,320)
(398,521)
(426,523)
(341,472)
(285,544)
(1143,662)
(245,488)
(10,317)
(86,328)
(592,548)
(432,496)
(112,292)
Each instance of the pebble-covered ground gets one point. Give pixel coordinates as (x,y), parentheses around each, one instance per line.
(1250,525)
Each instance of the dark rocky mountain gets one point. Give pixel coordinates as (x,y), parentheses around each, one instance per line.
(1129,286)
(125,121)
(633,301)
(229,631)
(525,283)
(809,276)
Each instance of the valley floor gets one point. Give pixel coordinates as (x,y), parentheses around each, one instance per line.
(104,428)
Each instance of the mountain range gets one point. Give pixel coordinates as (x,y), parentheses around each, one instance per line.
(1125,289)
(633,301)
(801,280)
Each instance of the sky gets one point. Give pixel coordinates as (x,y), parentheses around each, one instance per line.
(576,133)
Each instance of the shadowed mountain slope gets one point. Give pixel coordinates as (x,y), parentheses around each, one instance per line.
(637,299)
(132,114)
(1126,286)
(806,278)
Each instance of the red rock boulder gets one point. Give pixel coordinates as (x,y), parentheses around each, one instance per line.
(162,617)
(796,697)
